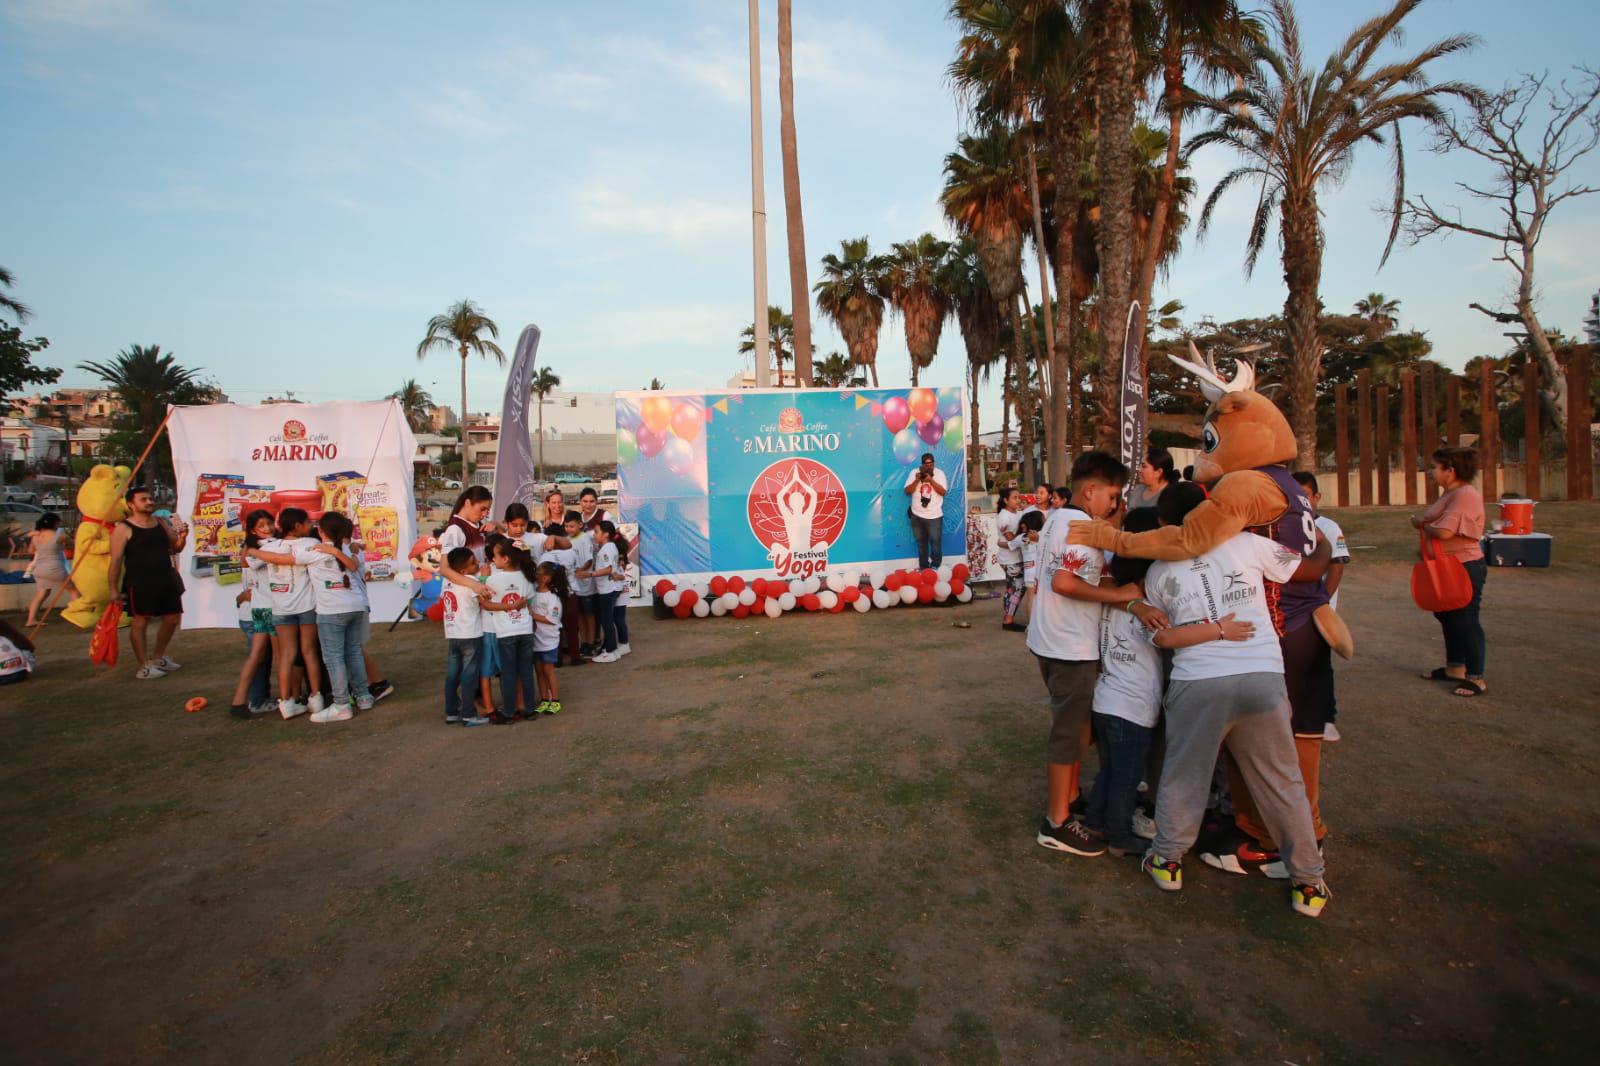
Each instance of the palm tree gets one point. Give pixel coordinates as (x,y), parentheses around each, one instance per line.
(835,371)
(416,404)
(1380,313)
(1297,129)
(20,310)
(978,317)
(543,384)
(914,283)
(147,382)
(780,338)
(799,289)
(656,385)
(460,328)
(851,295)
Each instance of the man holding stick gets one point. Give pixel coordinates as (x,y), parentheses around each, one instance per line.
(142,547)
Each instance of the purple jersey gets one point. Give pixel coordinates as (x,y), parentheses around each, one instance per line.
(1296,530)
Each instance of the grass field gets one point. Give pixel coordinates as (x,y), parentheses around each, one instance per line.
(806,839)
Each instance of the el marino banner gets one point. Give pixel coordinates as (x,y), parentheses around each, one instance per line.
(782,482)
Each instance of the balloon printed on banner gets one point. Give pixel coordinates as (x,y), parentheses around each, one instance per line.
(797,508)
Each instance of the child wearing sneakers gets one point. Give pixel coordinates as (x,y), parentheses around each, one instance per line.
(340,594)
(1332,579)
(463,635)
(1029,527)
(1127,704)
(1064,635)
(548,606)
(580,600)
(1227,688)
(511,587)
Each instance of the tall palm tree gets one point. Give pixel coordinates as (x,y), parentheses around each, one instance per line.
(834,371)
(1380,313)
(1297,128)
(416,404)
(1116,84)
(17,308)
(851,295)
(656,385)
(461,328)
(544,383)
(978,317)
(781,339)
(147,381)
(914,282)
(799,289)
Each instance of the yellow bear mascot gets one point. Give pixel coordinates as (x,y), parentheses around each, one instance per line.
(101,503)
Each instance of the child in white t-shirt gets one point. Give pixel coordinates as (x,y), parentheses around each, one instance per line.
(1227,687)
(1127,705)
(549,604)
(582,602)
(294,611)
(16,655)
(340,594)
(463,637)
(511,587)
(1030,525)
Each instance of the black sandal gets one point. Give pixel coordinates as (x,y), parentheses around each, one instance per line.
(1440,673)
(1470,689)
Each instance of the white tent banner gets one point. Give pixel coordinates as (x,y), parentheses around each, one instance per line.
(231,459)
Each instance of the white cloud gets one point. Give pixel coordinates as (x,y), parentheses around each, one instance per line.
(457,109)
(712,62)
(80,14)
(682,221)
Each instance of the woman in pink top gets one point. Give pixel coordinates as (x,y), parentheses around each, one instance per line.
(1455,522)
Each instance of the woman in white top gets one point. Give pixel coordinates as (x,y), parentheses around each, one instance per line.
(1008,528)
(49,568)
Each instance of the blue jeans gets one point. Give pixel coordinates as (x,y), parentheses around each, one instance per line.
(261,683)
(461,676)
(1124,748)
(340,637)
(613,620)
(929,534)
(516,664)
(1463,631)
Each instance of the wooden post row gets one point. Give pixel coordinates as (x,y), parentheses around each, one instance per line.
(1430,433)
(1580,412)
(1452,411)
(1384,453)
(1364,435)
(1488,432)
(1341,440)
(1408,433)
(1532,470)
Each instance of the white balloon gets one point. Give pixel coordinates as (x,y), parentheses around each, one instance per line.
(941,591)
(718,608)
(747,596)
(729,600)
(863,605)
(797,588)
(827,599)
(881,598)
(702,589)
(813,584)
(786,601)
(672,597)
(701,608)
(835,581)
(908,593)
(965,596)
(772,608)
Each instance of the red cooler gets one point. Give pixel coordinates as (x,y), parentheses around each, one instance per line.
(1517,516)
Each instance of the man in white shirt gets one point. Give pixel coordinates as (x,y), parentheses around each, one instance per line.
(926,485)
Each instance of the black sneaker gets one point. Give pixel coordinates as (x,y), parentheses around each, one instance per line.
(1013,627)
(1238,853)
(1069,836)
(380,690)
(496,718)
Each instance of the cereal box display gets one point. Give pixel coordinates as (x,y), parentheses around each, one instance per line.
(380,535)
(342,492)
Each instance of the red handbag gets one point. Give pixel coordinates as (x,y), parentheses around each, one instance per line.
(1439,582)
(103,641)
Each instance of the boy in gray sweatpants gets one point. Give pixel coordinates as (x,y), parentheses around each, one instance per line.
(1227,687)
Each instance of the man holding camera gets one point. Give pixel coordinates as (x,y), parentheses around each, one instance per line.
(926,485)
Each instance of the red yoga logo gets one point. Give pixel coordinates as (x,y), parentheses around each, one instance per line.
(797,509)
(791,421)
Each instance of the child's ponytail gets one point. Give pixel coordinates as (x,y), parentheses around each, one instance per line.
(613,537)
(558,579)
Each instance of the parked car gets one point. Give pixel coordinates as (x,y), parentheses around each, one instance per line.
(450,483)
(571,477)
(14,494)
(20,515)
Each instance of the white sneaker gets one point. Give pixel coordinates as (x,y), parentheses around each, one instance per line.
(316,702)
(1330,735)
(1144,825)
(623,649)
(364,703)
(167,664)
(339,712)
(291,708)
(149,672)
(606,657)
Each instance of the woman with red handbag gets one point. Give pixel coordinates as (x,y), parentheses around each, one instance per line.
(1453,526)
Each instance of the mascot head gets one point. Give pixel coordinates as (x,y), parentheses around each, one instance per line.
(425,558)
(1243,428)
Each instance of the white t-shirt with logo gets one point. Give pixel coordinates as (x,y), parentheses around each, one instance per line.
(1006,523)
(463,617)
(1341,550)
(1129,686)
(925,503)
(1030,563)
(254,578)
(617,581)
(547,635)
(509,586)
(1061,627)
(534,542)
(583,552)
(334,589)
(290,586)
(13,660)
(1225,580)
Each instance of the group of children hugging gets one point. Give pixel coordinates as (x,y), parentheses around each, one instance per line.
(1203,676)
(521,596)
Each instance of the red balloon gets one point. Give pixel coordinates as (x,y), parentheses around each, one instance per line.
(759,587)
(760,606)
(836,608)
(663,587)
(687,598)
(741,611)
(850,594)
(960,572)
(683,610)
(956,586)
(894,581)
(810,601)
(719,585)
(925,594)
(736,584)
(435,612)
(928,578)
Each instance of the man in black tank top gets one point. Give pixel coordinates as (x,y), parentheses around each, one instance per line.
(142,547)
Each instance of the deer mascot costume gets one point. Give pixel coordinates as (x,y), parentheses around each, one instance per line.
(1247,448)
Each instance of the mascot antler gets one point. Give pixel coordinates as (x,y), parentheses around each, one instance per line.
(1212,383)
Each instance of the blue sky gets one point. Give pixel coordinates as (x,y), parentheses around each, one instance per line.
(283,193)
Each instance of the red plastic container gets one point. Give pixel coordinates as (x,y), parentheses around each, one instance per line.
(1517,516)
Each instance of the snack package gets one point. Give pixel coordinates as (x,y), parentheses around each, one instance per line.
(240,500)
(376,494)
(380,535)
(342,492)
(210,497)
(230,541)
(205,533)
(229,570)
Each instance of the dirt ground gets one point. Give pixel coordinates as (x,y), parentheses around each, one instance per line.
(805,839)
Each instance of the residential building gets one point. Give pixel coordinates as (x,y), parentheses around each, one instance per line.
(441,418)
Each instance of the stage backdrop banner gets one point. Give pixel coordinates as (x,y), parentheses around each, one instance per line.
(231,459)
(783,482)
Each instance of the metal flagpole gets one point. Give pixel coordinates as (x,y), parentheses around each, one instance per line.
(758,200)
